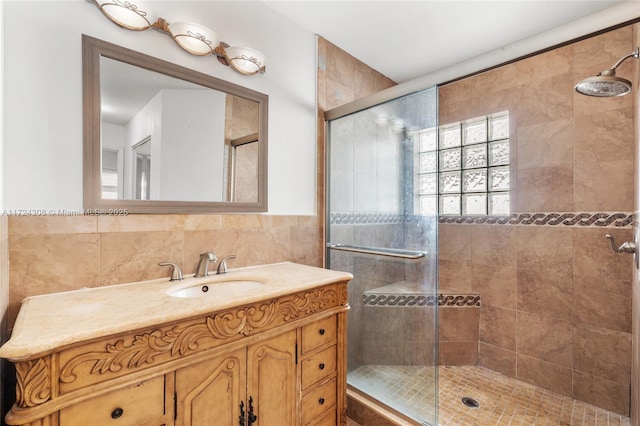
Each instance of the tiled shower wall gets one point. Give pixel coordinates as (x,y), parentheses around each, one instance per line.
(556,300)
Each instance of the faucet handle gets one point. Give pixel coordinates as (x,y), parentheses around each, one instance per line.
(222,266)
(176,272)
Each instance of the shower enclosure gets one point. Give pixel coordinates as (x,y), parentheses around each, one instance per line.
(382,227)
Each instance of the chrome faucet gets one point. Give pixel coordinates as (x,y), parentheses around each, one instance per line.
(202,270)
(222,266)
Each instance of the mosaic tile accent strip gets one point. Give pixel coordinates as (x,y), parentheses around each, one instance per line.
(365,218)
(593,219)
(599,220)
(400,300)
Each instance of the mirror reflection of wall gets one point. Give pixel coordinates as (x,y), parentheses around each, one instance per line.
(142,169)
(110,165)
(190,125)
(242,145)
(243,169)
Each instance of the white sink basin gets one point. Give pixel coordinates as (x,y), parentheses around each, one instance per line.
(229,287)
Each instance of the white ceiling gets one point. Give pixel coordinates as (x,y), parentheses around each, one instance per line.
(408,39)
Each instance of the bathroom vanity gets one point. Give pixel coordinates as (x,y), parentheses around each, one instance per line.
(263,345)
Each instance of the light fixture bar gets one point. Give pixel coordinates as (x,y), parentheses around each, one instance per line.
(194,38)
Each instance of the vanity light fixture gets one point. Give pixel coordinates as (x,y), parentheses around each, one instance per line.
(129,14)
(194,38)
(242,59)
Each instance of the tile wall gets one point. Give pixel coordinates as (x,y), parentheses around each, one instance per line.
(556,300)
(59,253)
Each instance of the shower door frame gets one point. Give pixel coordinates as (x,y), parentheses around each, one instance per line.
(381,409)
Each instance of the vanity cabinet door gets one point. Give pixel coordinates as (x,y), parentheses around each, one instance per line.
(210,392)
(142,404)
(272,380)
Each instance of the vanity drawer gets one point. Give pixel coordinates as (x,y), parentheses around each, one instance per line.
(319,333)
(317,401)
(329,420)
(318,366)
(137,405)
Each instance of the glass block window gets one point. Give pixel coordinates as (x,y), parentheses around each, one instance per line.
(463,168)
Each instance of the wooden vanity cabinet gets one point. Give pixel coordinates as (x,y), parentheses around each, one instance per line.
(140,404)
(277,362)
(257,383)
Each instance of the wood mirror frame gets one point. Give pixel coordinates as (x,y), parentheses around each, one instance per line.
(92,50)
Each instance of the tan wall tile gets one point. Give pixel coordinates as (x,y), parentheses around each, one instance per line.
(497,359)
(304,245)
(243,221)
(140,223)
(195,222)
(545,292)
(603,302)
(458,324)
(134,256)
(548,248)
(341,66)
(39,225)
(545,189)
(43,264)
(454,242)
(545,338)
(458,353)
(498,327)
(604,186)
(497,285)
(545,145)
(268,245)
(544,374)
(544,101)
(545,65)
(454,274)
(601,352)
(365,80)
(493,246)
(612,396)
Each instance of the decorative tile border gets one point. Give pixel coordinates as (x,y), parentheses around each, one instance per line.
(600,219)
(359,218)
(594,219)
(451,300)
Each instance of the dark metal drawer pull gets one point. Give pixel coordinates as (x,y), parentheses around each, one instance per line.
(321,401)
(117,413)
(321,366)
(321,331)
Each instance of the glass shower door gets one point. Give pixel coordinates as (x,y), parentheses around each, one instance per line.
(376,232)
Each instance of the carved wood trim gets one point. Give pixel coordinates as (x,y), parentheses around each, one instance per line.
(33,382)
(182,340)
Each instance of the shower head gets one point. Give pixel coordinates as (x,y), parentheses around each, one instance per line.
(605,84)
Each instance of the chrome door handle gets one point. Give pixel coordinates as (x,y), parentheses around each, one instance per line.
(626,247)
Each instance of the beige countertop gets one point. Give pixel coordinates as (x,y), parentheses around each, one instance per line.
(53,320)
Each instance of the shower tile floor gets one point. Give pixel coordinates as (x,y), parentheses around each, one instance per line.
(503,401)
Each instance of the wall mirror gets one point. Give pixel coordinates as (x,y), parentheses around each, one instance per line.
(161,138)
